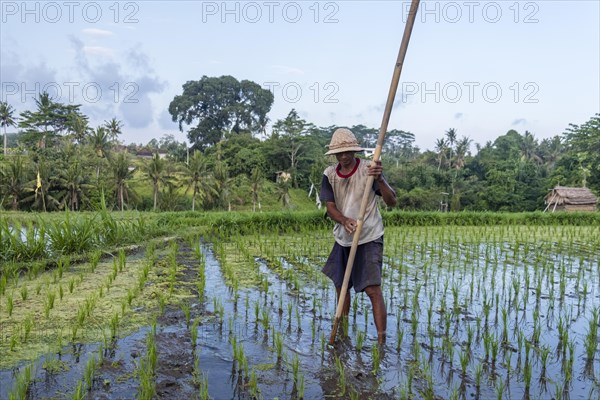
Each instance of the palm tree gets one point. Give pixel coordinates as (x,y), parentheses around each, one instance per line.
(14,179)
(157,171)
(451,136)
(440,148)
(529,148)
(462,147)
(256,180)
(122,174)
(73,185)
(99,141)
(114,128)
(6,119)
(198,179)
(40,122)
(222,183)
(79,127)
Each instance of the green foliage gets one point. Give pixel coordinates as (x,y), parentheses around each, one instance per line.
(214,106)
(240,161)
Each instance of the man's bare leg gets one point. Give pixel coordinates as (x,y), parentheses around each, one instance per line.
(379,312)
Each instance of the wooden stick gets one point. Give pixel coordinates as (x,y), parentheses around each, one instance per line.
(382,130)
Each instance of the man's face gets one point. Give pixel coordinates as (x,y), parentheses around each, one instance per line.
(346,158)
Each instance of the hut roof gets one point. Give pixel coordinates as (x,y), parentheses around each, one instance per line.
(571,195)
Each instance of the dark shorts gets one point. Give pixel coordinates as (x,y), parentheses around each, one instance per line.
(366,271)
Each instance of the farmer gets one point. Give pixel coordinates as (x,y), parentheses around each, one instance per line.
(342,190)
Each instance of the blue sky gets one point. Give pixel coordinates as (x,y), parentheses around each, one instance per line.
(481,67)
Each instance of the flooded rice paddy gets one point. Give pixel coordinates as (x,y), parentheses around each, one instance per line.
(473,313)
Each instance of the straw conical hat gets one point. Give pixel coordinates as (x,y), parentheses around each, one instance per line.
(343,140)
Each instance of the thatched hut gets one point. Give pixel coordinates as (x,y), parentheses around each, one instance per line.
(563,198)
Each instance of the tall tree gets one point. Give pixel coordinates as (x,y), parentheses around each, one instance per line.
(451,136)
(14,179)
(198,179)
(6,119)
(121,174)
(441,149)
(583,143)
(213,106)
(256,180)
(49,120)
(158,173)
(290,130)
(114,128)
(99,142)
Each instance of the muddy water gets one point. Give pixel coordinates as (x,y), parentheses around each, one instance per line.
(303,319)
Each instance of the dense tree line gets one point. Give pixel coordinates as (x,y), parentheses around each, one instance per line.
(56,161)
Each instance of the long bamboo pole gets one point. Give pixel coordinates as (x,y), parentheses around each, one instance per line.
(382,130)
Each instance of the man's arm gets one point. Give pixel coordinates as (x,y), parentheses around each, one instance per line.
(349,224)
(388,194)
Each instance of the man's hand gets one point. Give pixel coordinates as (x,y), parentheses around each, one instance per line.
(376,169)
(349,225)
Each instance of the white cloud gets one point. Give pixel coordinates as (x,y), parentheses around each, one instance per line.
(97,32)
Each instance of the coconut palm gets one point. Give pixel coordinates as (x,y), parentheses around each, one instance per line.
(122,173)
(440,148)
(198,179)
(256,180)
(529,148)
(158,172)
(43,193)
(223,184)
(451,136)
(79,127)
(100,144)
(114,128)
(73,186)
(6,119)
(14,180)
(462,148)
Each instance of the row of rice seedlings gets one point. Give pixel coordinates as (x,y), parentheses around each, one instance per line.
(23,381)
(200,380)
(146,368)
(86,384)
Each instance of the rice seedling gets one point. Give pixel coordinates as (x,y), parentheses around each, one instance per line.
(186,309)
(375,356)
(22,382)
(79,393)
(360,338)
(9,304)
(300,386)
(253,386)
(201,380)
(194,333)
(341,376)
(591,339)
(295,367)
(90,371)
